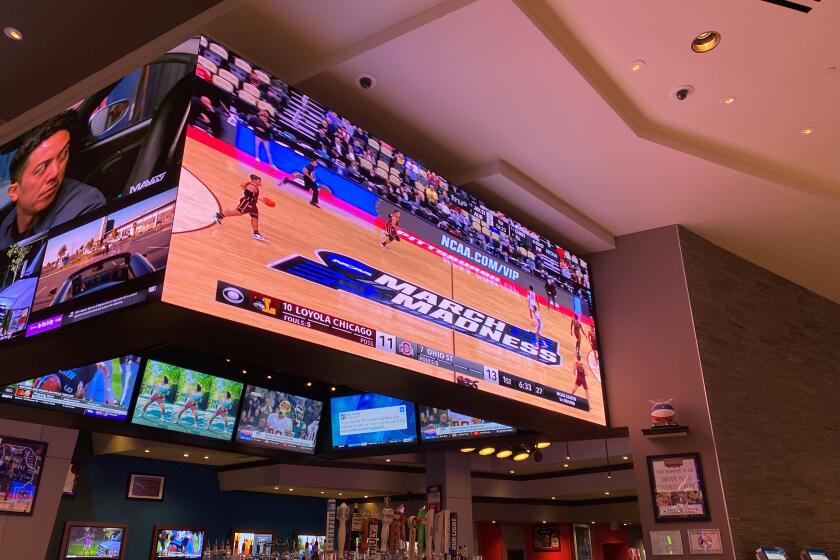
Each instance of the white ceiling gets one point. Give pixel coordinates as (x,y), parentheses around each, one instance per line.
(545,87)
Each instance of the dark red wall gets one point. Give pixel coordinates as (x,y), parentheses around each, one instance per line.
(492,547)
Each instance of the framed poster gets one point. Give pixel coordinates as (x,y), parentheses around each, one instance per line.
(145,487)
(21,464)
(676,486)
(547,538)
(583,541)
(704,541)
(666,543)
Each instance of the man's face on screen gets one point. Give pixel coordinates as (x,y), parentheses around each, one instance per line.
(42,174)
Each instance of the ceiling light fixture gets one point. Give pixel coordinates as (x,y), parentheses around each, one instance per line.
(13,34)
(504,453)
(244,371)
(606,493)
(565,465)
(512,471)
(387,460)
(637,65)
(484,451)
(808,131)
(227,360)
(332,389)
(493,521)
(467,449)
(543,444)
(268,377)
(340,494)
(705,42)
(291,489)
(521,454)
(323,492)
(728,100)
(568,457)
(544,522)
(554,497)
(277,488)
(207,456)
(365,497)
(309,384)
(186,454)
(626,457)
(147,451)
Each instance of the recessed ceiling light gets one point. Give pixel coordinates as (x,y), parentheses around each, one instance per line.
(13,33)
(705,42)
(504,453)
(554,497)
(323,492)
(147,451)
(606,493)
(332,388)
(186,454)
(544,522)
(512,471)
(227,360)
(277,488)
(626,457)
(521,456)
(309,384)
(486,450)
(637,65)
(593,522)
(387,460)
(565,465)
(543,444)
(365,497)
(493,521)
(728,100)
(244,371)
(291,489)
(340,494)
(808,131)
(467,449)
(207,456)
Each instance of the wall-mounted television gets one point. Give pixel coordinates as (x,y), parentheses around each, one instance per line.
(176,541)
(279,420)
(93,539)
(307,544)
(250,542)
(406,268)
(180,399)
(441,423)
(100,390)
(370,419)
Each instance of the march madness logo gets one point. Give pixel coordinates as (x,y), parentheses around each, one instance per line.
(341,272)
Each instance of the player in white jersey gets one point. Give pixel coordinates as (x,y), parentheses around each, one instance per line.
(534,312)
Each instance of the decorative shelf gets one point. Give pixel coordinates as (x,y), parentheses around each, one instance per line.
(666,432)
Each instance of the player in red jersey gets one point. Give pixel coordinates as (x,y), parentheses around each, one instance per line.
(247,205)
(576,330)
(593,342)
(580,377)
(391,224)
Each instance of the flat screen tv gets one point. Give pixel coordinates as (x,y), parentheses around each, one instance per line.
(250,542)
(293,219)
(100,390)
(182,400)
(93,539)
(279,420)
(177,541)
(441,423)
(370,419)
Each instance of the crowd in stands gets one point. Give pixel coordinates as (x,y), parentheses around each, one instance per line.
(351,151)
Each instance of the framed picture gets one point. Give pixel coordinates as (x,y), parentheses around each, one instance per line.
(583,541)
(145,487)
(676,487)
(704,541)
(21,464)
(547,538)
(92,539)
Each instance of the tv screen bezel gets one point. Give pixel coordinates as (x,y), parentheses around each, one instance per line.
(158,528)
(382,445)
(68,524)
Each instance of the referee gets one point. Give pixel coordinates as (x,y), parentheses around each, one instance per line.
(311,182)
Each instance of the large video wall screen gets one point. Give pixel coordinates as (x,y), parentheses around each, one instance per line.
(294,219)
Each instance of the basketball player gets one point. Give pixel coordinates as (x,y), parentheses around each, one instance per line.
(536,316)
(191,402)
(391,228)
(593,342)
(576,330)
(580,377)
(222,409)
(247,205)
(75,382)
(311,182)
(159,392)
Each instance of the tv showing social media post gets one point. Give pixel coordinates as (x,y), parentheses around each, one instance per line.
(177,542)
(441,423)
(182,400)
(369,419)
(84,539)
(100,390)
(119,144)
(279,420)
(296,220)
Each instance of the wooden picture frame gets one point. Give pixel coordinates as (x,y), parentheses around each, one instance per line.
(65,542)
(21,491)
(141,486)
(677,488)
(546,537)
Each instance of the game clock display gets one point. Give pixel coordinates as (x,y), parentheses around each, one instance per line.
(100,390)
(182,400)
(279,420)
(307,226)
(370,419)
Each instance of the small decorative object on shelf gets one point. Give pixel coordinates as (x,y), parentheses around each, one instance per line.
(662,413)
